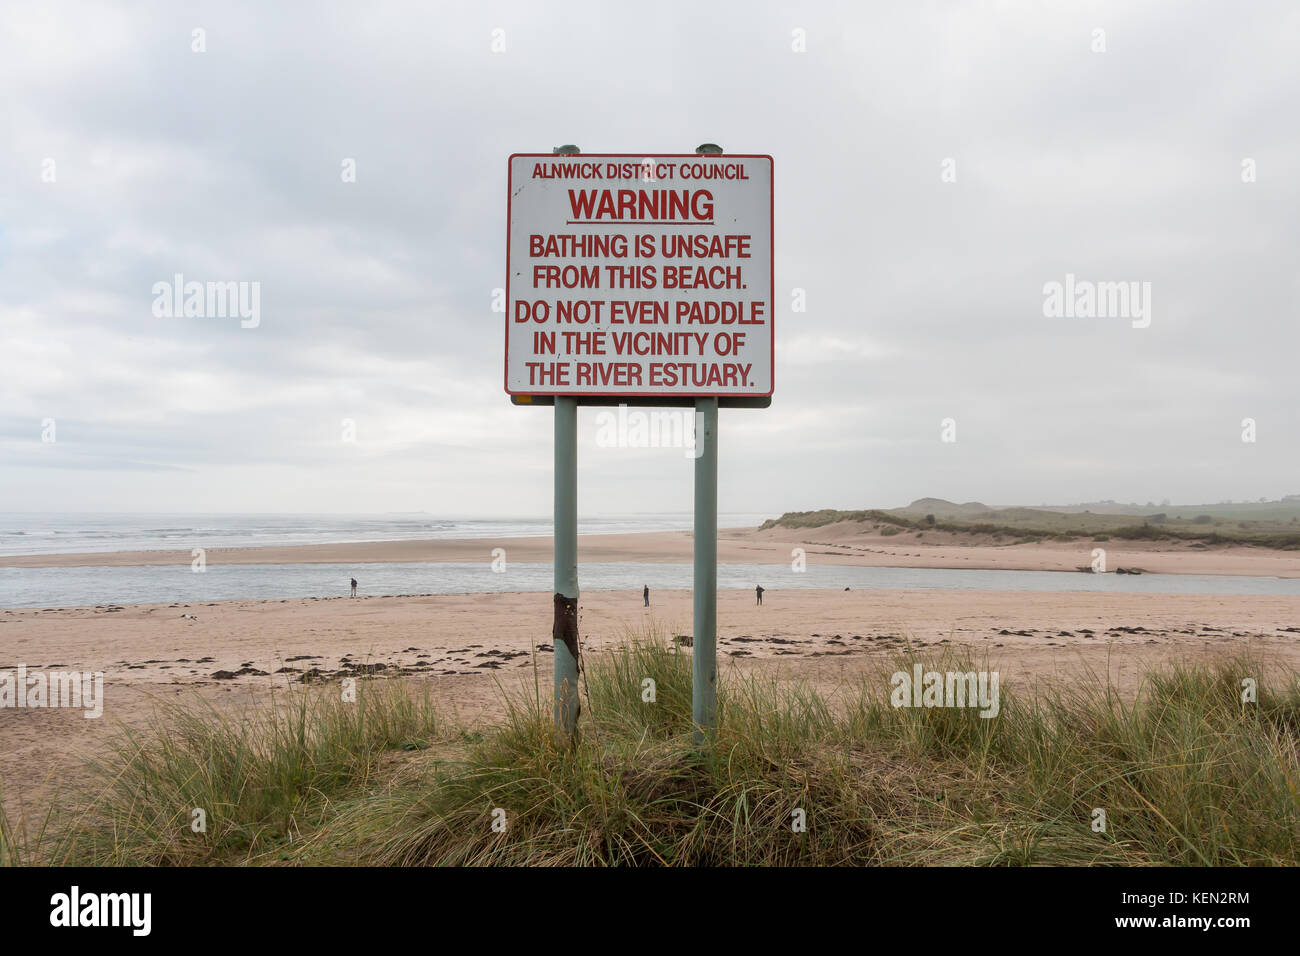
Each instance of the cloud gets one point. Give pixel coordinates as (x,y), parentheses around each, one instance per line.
(923,297)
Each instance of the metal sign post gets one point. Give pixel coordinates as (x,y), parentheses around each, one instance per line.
(639,280)
(564,626)
(704,638)
(564,629)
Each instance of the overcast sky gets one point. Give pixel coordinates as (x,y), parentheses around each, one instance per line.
(925,297)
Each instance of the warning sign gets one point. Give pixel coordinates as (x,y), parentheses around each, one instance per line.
(639,276)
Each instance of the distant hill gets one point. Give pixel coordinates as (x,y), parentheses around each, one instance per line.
(1272,524)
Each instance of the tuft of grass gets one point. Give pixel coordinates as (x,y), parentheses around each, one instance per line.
(13,850)
(260,780)
(1186,772)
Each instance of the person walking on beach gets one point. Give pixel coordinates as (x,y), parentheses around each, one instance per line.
(354,587)
(645,593)
(758,590)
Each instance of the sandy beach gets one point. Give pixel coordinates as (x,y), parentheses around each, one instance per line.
(465,648)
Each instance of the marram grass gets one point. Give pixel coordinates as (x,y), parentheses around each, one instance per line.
(1185,772)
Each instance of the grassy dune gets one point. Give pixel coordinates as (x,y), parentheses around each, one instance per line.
(1275,527)
(1187,774)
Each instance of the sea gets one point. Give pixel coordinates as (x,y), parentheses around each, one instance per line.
(22,533)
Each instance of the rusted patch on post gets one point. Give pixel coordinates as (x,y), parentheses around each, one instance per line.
(565,627)
(565,631)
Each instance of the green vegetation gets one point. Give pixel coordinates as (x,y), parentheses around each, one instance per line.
(1186,773)
(1271,525)
(818,519)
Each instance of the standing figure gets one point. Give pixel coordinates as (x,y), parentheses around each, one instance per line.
(645,593)
(758,590)
(354,587)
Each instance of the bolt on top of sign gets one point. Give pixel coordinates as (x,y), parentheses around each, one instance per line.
(639,276)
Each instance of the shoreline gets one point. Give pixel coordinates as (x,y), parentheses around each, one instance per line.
(846,545)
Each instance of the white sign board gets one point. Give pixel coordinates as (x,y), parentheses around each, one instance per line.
(639,276)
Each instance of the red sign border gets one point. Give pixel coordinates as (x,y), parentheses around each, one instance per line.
(771,223)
